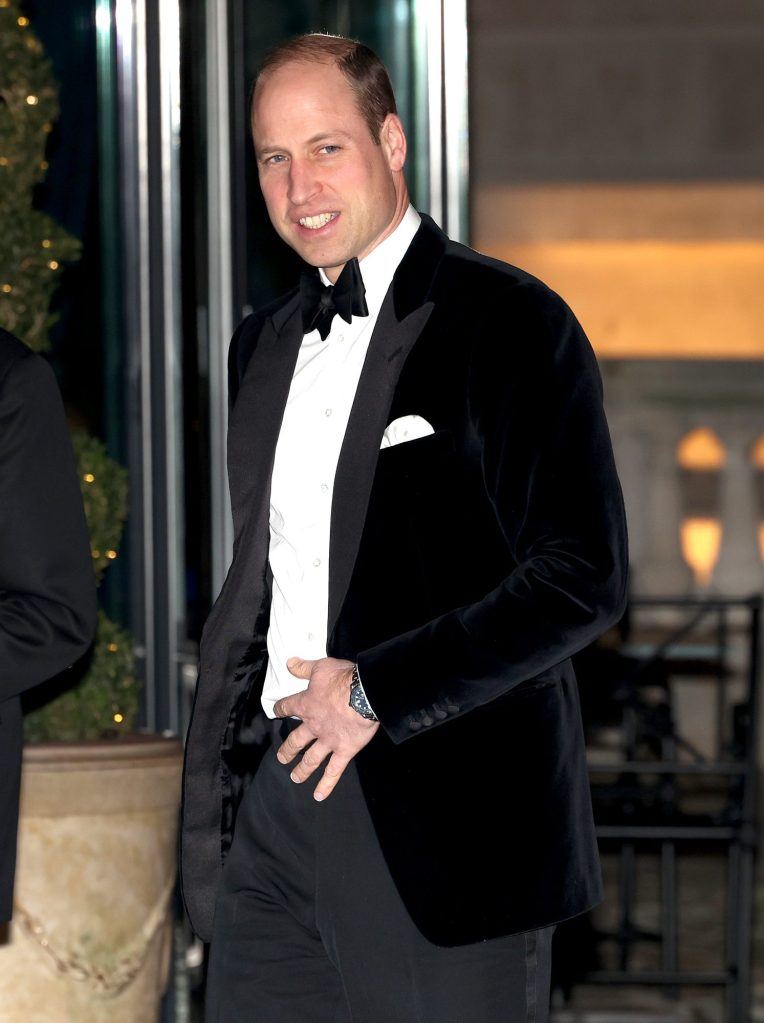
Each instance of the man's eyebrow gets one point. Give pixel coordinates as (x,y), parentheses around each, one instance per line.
(320,137)
(338,134)
(265,150)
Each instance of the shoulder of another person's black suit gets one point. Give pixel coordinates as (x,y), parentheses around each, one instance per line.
(31,373)
(11,351)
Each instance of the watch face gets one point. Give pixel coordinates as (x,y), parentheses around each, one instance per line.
(359,704)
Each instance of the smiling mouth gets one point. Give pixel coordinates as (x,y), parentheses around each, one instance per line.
(320,220)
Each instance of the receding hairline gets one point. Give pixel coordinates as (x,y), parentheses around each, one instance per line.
(319,48)
(362,69)
(268,72)
(264,77)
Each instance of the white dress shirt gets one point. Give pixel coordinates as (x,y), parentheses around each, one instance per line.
(320,398)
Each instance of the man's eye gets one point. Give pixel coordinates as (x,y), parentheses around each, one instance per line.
(276,158)
(330,149)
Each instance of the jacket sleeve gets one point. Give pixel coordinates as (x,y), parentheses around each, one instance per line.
(547,467)
(47,585)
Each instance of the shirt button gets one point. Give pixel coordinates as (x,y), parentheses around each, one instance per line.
(340,337)
(316,562)
(327,412)
(310,635)
(324,487)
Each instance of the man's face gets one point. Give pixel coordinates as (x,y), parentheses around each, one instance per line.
(331,192)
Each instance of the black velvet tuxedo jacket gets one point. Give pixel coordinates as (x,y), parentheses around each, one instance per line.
(465,568)
(47,586)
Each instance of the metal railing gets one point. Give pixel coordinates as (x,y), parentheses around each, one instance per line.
(640,789)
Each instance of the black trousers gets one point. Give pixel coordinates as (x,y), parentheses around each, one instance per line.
(309,927)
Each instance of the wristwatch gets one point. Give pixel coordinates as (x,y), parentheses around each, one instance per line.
(358,700)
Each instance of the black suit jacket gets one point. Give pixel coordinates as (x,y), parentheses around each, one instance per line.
(47,586)
(465,569)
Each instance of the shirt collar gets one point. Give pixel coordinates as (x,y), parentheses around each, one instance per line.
(378,268)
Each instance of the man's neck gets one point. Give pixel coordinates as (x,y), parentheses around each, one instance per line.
(332,273)
(388,251)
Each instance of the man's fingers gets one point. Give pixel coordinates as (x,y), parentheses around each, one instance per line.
(312,758)
(300,668)
(281,708)
(294,742)
(332,773)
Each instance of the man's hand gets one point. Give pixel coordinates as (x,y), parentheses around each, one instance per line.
(335,730)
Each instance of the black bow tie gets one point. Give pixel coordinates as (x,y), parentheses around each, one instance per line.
(319,304)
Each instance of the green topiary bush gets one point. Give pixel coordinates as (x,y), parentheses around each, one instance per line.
(104,494)
(102,704)
(33,247)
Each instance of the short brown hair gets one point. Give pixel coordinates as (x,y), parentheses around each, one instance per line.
(365,72)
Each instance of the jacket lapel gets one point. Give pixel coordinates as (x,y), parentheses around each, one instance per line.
(256,417)
(402,318)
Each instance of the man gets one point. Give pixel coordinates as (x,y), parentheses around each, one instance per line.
(428,524)
(47,586)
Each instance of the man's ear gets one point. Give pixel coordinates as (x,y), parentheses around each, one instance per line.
(393,139)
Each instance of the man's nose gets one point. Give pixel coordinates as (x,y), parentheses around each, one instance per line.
(303,184)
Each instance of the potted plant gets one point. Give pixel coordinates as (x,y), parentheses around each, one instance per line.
(90,938)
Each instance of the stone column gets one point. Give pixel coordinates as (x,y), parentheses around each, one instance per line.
(662,571)
(739,571)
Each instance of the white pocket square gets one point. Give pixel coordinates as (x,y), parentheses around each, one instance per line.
(405,428)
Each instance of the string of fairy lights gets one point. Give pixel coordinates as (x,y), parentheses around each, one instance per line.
(89,478)
(111,483)
(52,264)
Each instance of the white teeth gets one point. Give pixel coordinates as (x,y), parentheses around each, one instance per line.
(319,221)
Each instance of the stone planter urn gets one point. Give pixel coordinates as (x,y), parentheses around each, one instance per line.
(90,940)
